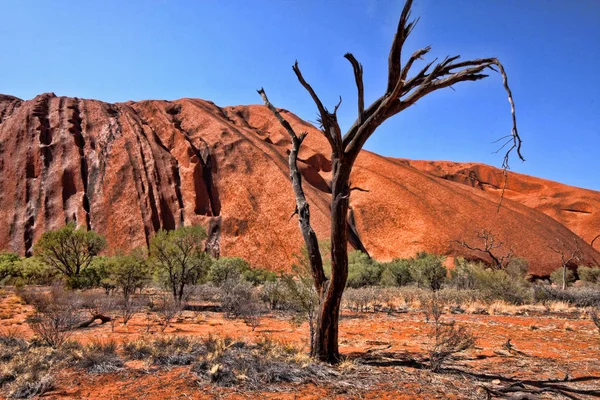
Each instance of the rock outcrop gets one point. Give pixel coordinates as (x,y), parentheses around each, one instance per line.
(127,170)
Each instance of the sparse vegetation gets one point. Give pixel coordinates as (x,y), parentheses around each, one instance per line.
(562,277)
(70,251)
(179,258)
(447,339)
(589,274)
(100,358)
(166,308)
(56,314)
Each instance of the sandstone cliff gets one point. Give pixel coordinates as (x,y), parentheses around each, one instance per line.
(129,169)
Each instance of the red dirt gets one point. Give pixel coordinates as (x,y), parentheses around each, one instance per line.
(129,169)
(549,346)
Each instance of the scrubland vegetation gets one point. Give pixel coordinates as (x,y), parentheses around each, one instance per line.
(70,287)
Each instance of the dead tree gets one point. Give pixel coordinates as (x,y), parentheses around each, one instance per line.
(568,255)
(490,245)
(404,88)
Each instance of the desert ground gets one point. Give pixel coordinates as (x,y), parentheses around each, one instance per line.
(552,352)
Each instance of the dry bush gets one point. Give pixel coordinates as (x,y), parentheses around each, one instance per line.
(28,372)
(577,297)
(100,307)
(257,365)
(447,339)
(361,299)
(239,300)
(100,358)
(274,294)
(129,307)
(138,349)
(203,293)
(166,308)
(10,338)
(176,350)
(57,312)
(226,362)
(28,387)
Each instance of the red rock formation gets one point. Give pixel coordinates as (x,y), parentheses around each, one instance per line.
(127,170)
(578,209)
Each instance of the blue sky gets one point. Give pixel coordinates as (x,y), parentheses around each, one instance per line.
(225,50)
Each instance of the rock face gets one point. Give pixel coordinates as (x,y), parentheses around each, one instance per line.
(576,208)
(127,170)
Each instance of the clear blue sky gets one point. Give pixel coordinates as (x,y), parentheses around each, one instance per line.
(225,50)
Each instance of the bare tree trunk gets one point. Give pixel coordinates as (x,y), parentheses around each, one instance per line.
(564,280)
(325,346)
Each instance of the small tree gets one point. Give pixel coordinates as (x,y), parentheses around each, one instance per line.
(569,254)
(69,250)
(428,271)
(562,277)
(227,269)
(396,273)
(179,258)
(129,272)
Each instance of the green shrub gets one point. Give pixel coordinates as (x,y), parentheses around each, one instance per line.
(33,271)
(9,267)
(396,273)
(462,276)
(517,268)
(93,276)
(556,276)
(428,271)
(258,276)
(128,272)
(362,270)
(589,274)
(498,284)
(227,269)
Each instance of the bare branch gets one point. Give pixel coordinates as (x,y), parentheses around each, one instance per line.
(310,90)
(330,127)
(405,93)
(337,106)
(358,77)
(403,31)
(275,112)
(302,207)
(489,247)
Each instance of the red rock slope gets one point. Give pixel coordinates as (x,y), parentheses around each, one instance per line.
(578,209)
(127,170)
